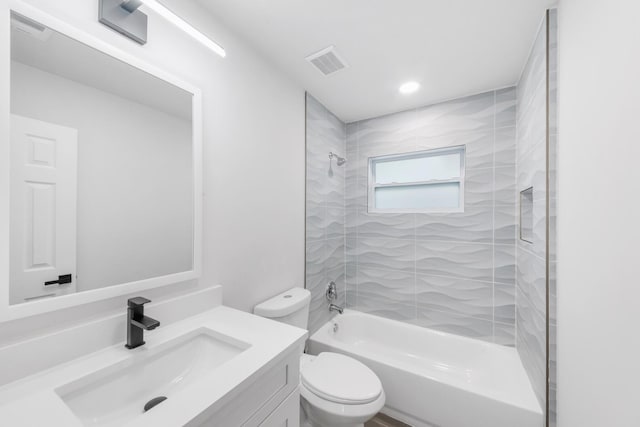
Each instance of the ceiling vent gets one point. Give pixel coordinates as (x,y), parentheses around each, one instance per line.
(30,27)
(327,61)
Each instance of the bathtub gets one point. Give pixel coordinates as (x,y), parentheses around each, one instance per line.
(433,378)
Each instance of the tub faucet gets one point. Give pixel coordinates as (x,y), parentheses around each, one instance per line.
(137,322)
(337,308)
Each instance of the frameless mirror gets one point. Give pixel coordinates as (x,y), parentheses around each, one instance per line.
(102,169)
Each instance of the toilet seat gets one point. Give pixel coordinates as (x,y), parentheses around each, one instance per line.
(340,379)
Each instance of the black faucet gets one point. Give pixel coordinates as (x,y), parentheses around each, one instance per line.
(137,322)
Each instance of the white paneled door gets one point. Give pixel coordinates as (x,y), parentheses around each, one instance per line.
(44,173)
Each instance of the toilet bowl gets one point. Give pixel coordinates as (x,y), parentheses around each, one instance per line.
(338,391)
(335,390)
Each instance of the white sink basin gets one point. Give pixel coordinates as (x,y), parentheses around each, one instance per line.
(116,395)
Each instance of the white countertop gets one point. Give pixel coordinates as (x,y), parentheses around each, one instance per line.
(33,401)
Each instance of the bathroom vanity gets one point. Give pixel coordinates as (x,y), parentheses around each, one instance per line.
(222,367)
(104,206)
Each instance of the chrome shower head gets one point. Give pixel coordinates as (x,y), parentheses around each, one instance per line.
(339,160)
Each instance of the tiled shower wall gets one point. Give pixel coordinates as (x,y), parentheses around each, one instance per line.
(553,206)
(325,210)
(536,104)
(453,272)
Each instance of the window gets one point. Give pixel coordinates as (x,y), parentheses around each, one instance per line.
(423,181)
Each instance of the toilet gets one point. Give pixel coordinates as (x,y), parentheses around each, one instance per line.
(336,390)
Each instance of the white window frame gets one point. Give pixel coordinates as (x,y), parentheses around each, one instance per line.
(372,185)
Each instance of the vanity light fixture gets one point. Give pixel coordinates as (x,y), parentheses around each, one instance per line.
(409,87)
(125,17)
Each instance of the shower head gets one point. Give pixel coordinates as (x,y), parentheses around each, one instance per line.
(339,160)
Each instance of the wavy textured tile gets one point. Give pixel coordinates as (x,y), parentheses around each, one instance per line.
(388,254)
(380,249)
(463,260)
(532,127)
(553,181)
(505,185)
(325,209)
(531,264)
(475,224)
(460,297)
(505,227)
(478,146)
(504,263)
(315,258)
(315,223)
(504,300)
(386,308)
(351,223)
(506,100)
(355,192)
(376,225)
(531,279)
(504,334)
(335,222)
(531,345)
(533,75)
(351,283)
(390,129)
(397,286)
(459,325)
(505,147)
(469,114)
(334,253)
(478,187)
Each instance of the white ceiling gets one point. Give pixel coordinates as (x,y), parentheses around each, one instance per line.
(452,47)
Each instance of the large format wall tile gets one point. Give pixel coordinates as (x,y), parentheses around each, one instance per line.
(468,114)
(479,151)
(401,226)
(397,286)
(326,215)
(475,224)
(387,254)
(506,100)
(531,289)
(441,264)
(460,325)
(463,260)
(385,307)
(553,185)
(461,297)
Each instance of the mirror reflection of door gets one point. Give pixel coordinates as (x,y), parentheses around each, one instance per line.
(43,209)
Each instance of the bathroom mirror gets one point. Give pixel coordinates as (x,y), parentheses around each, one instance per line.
(104,168)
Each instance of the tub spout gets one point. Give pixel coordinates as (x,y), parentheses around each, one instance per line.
(337,308)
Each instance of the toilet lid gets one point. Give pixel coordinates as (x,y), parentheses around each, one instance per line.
(341,379)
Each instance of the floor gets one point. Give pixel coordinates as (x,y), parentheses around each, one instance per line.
(382,420)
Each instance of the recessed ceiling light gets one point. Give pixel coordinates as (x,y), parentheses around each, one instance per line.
(409,87)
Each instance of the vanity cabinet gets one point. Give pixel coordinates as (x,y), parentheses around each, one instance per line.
(270,399)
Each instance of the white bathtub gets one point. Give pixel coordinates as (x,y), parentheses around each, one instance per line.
(433,378)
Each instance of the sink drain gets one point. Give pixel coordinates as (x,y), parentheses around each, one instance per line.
(153,402)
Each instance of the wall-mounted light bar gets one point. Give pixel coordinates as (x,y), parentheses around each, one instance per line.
(184,26)
(125,17)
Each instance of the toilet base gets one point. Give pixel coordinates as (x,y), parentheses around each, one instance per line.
(306,422)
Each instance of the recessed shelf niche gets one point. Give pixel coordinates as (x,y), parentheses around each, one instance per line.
(526,215)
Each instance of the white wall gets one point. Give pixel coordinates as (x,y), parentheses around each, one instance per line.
(135,176)
(598,233)
(253,160)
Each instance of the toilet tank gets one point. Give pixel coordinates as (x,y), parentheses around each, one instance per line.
(291,307)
